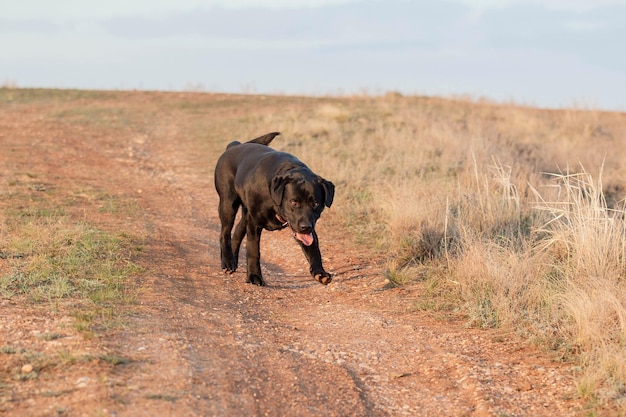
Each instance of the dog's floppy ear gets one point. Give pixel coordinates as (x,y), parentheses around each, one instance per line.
(329,192)
(278,188)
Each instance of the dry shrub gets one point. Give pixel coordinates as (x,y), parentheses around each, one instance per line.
(468,200)
(587,242)
(555,275)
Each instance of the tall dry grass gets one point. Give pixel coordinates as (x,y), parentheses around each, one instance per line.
(475,202)
(584,242)
(471,201)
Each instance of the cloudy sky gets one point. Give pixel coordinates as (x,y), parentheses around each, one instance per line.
(548,53)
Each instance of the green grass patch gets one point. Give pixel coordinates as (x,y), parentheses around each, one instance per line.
(62,260)
(115,359)
(8,350)
(49,336)
(163,397)
(50,258)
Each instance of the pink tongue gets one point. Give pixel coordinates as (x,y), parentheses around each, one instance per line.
(307,240)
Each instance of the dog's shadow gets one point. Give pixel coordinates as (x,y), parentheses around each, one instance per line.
(279,278)
(276,277)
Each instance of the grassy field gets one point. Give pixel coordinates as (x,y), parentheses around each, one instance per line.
(53,257)
(511,217)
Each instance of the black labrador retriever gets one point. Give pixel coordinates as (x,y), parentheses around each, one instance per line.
(274,190)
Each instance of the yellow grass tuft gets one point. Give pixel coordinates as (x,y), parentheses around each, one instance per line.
(469,200)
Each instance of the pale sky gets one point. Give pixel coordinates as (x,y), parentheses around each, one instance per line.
(548,53)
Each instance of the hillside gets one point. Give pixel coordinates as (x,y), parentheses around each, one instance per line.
(114,303)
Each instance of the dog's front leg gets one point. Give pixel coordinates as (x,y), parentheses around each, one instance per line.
(253,254)
(314,256)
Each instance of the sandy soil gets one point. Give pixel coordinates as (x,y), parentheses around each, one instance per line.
(201,343)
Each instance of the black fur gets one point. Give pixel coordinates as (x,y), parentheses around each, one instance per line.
(274,190)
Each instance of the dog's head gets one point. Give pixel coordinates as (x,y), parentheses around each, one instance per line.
(301,196)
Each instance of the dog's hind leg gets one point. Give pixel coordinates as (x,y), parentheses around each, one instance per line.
(227,211)
(240,232)
(253,254)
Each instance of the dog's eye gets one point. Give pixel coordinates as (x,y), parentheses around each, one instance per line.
(315,204)
(294,203)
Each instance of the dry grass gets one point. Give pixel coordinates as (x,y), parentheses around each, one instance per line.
(473,203)
(49,256)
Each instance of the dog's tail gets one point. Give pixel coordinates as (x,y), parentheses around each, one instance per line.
(261,140)
(265,139)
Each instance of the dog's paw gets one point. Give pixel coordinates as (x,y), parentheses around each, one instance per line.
(229,270)
(229,267)
(256,280)
(323,277)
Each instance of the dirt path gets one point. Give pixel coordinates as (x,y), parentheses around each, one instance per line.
(207,344)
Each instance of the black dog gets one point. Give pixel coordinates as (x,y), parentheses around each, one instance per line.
(274,190)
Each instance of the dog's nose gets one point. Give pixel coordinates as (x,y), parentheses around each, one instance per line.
(305,227)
